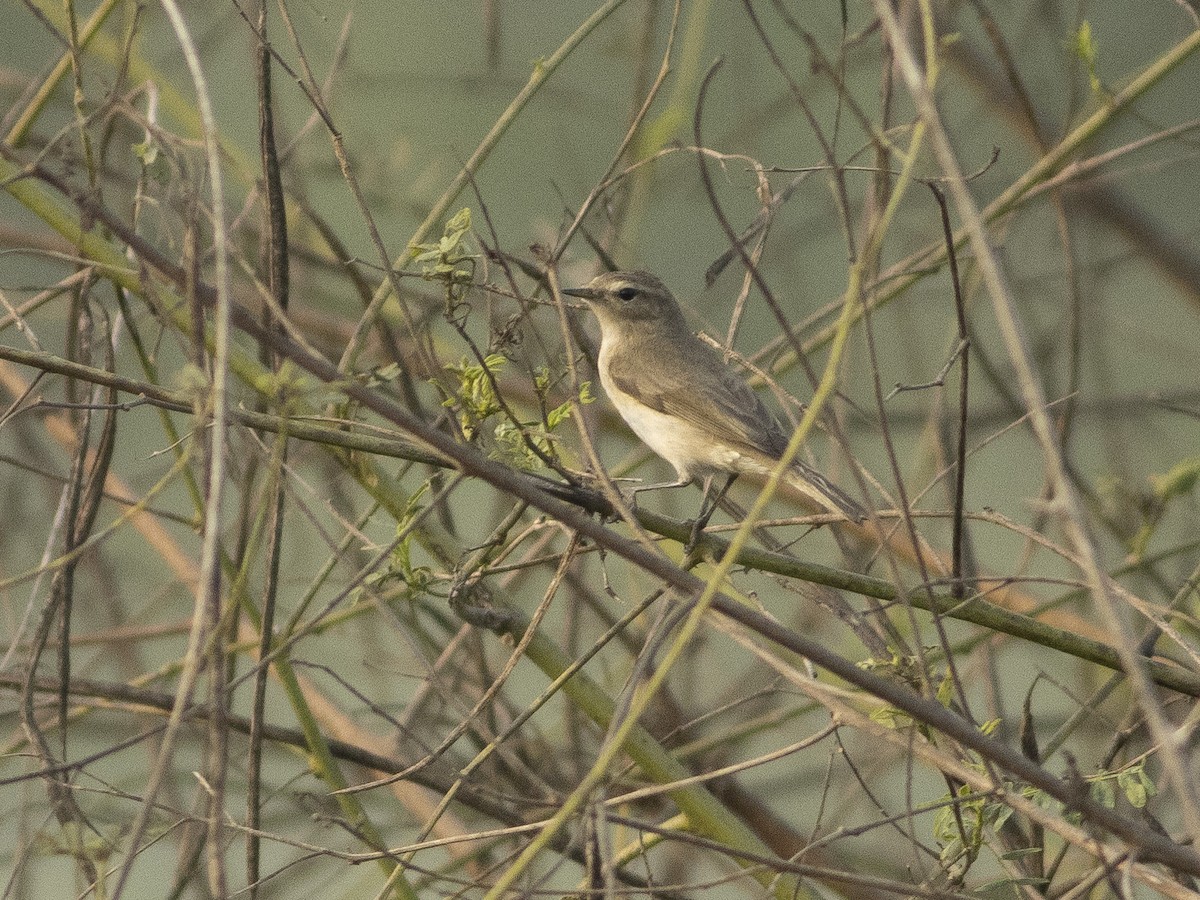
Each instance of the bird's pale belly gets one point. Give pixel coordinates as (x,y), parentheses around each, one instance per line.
(692,452)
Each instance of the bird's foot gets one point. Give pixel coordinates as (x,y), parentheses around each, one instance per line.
(627,497)
(707,507)
(694,535)
(696,532)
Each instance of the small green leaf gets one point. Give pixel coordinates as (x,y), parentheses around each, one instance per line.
(1133,789)
(385,374)
(447,260)
(1179,480)
(415,579)
(558,415)
(146,151)
(1136,785)
(1104,794)
(475,397)
(1003,813)
(1022,853)
(945,691)
(1085,47)
(889,716)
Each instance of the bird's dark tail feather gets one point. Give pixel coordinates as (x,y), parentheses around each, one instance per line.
(825,492)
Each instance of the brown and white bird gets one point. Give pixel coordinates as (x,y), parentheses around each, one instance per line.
(680,398)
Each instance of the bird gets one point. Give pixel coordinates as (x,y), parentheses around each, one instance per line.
(677,394)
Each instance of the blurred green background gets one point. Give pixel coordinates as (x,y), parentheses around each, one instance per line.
(1103,272)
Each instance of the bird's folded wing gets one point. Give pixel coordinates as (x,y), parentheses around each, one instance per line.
(714,400)
(728,409)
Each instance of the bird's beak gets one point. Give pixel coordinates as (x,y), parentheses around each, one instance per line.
(585,293)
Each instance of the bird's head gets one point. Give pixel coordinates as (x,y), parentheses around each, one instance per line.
(625,299)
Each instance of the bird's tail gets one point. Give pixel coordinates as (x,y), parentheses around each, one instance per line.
(816,486)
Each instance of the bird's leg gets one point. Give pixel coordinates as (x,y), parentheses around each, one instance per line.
(666,485)
(707,507)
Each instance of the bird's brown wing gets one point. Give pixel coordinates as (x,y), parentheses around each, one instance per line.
(698,388)
(701,390)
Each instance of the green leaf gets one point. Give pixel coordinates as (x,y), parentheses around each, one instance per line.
(416,579)
(1104,793)
(475,397)
(1136,785)
(1131,786)
(1085,47)
(146,151)
(1179,480)
(945,691)
(444,259)
(890,717)
(558,415)
(1022,853)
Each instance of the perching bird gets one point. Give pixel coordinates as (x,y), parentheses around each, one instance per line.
(678,395)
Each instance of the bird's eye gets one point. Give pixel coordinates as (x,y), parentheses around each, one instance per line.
(627,293)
